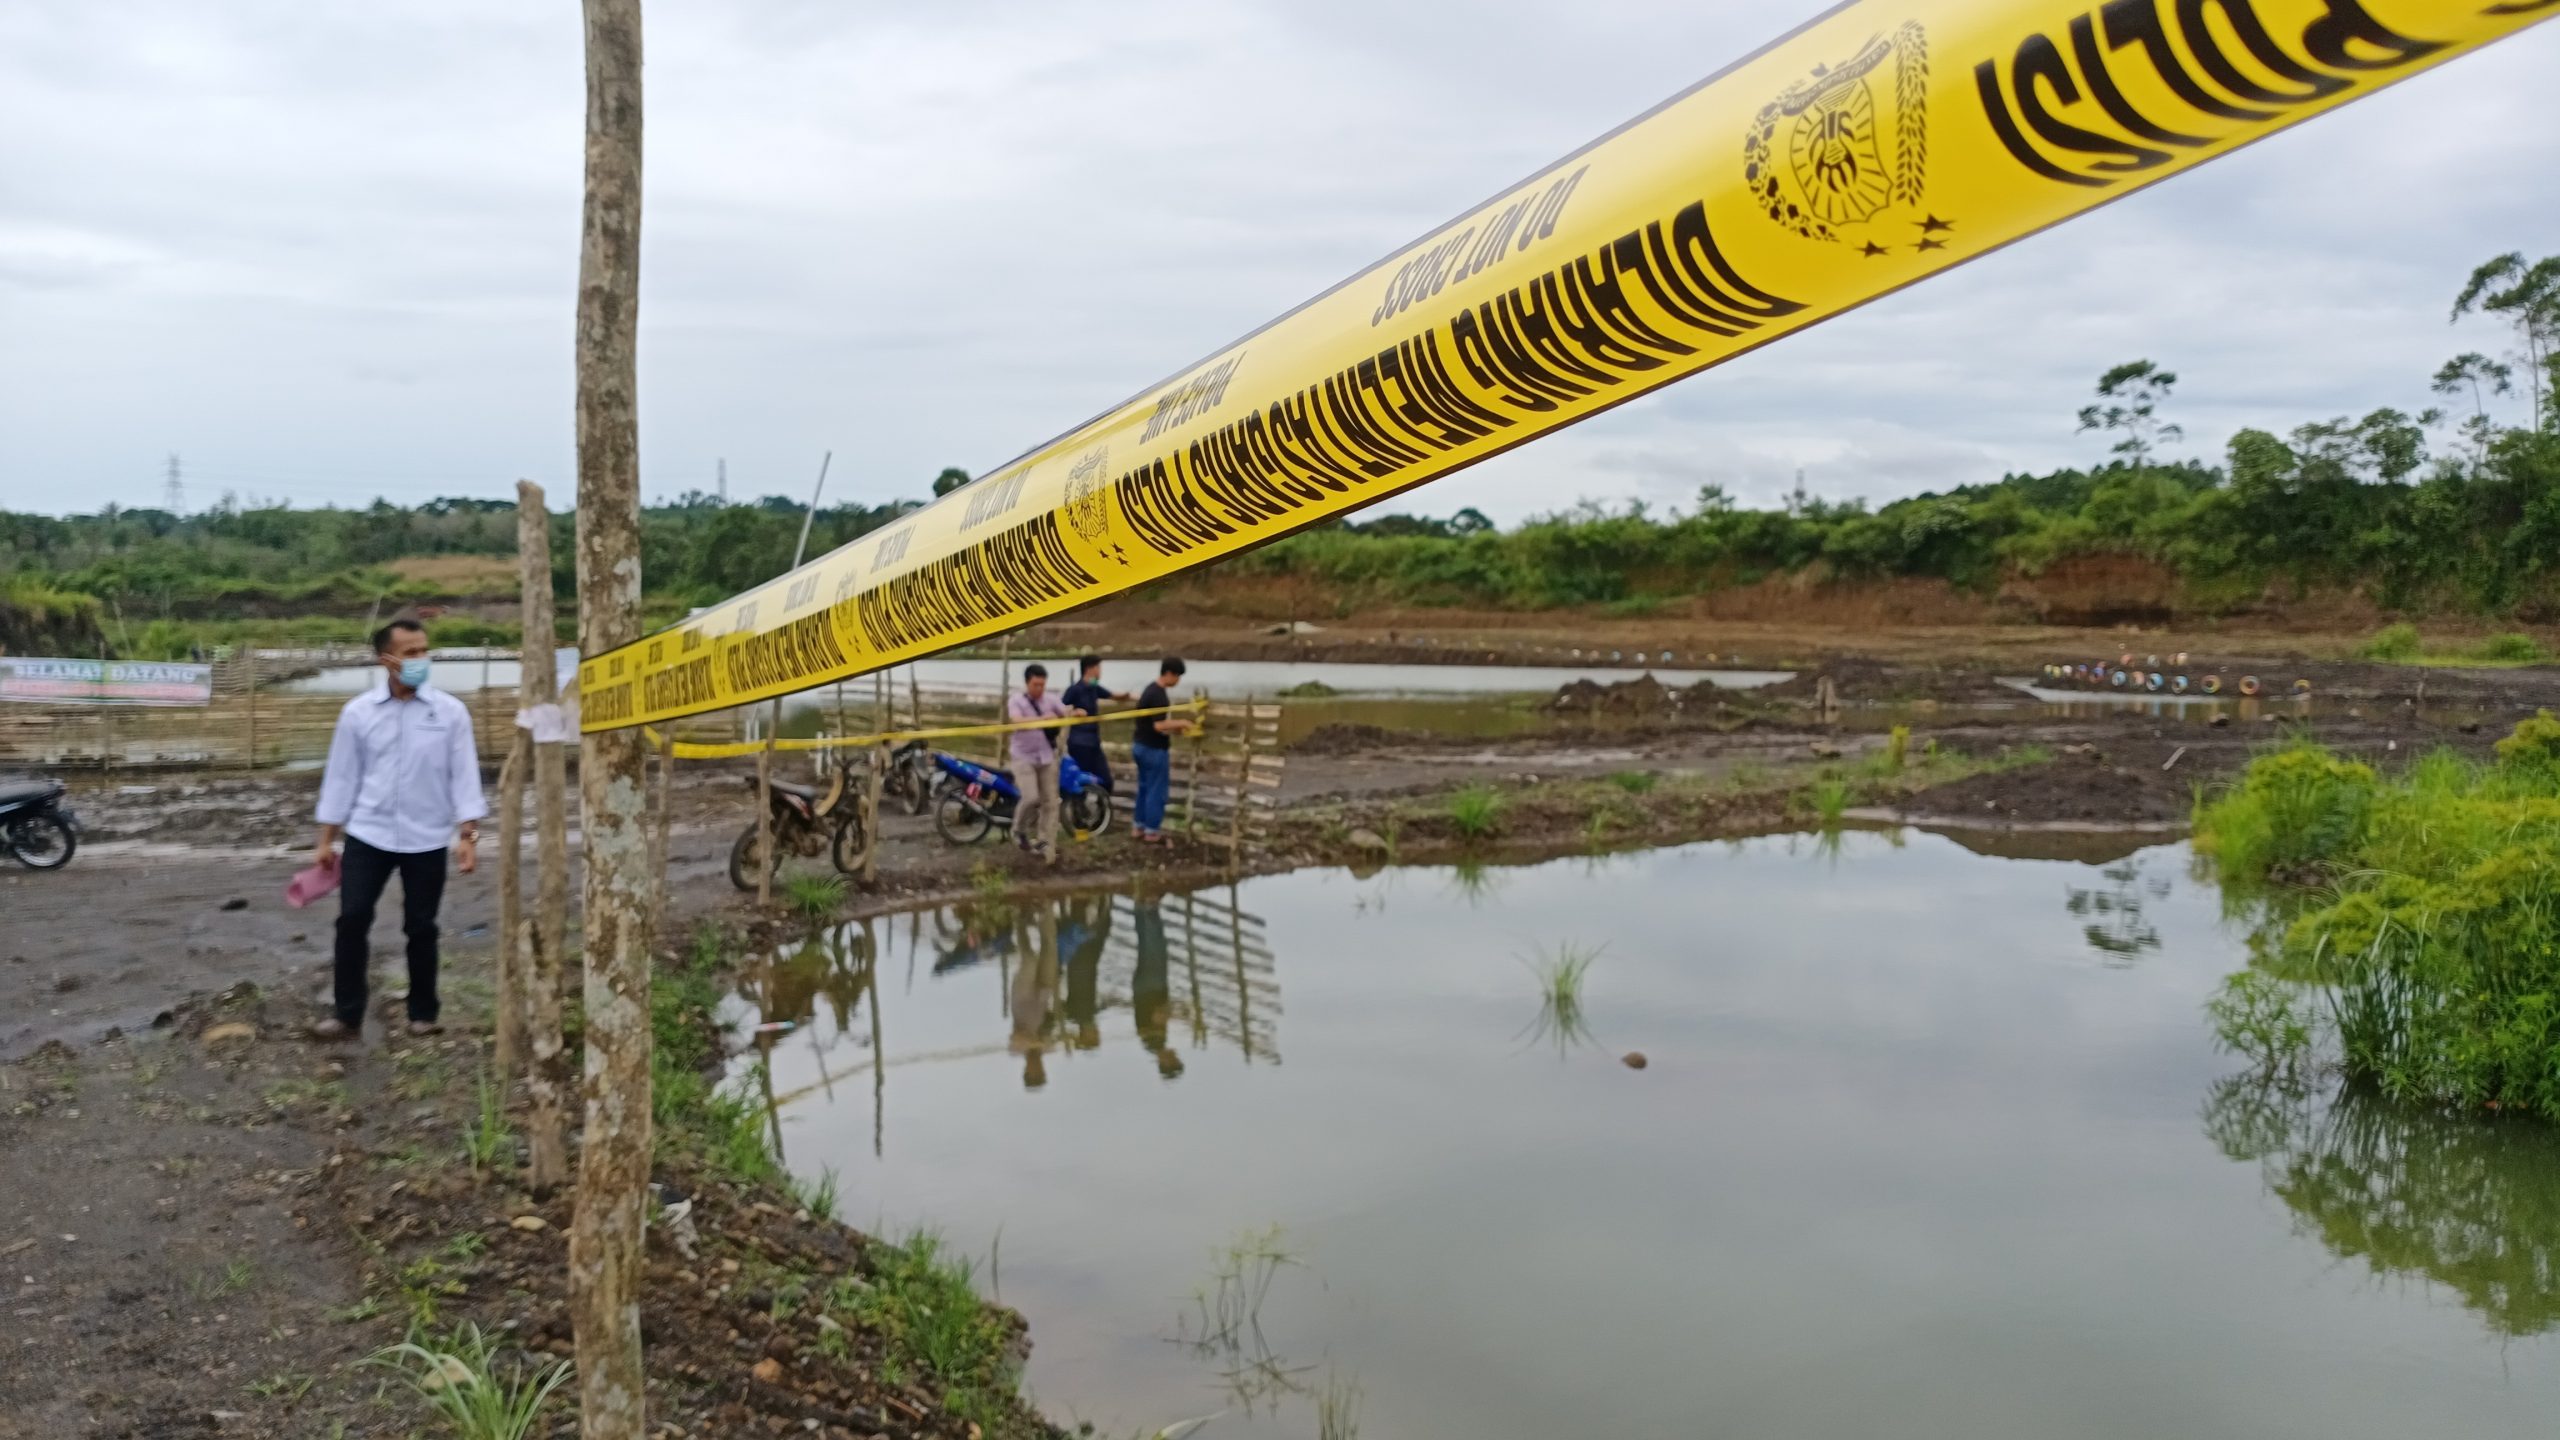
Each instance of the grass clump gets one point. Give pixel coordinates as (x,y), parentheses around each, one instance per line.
(1562,974)
(922,1300)
(2293,808)
(487,1139)
(1830,796)
(1897,749)
(2436,927)
(2394,643)
(814,896)
(1476,811)
(1635,782)
(818,1196)
(1227,1311)
(462,1381)
(2511,649)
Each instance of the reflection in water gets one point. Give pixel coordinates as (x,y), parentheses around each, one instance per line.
(2472,1203)
(2116,928)
(1880,1121)
(1190,964)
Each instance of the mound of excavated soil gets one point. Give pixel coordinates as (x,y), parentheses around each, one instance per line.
(1880,682)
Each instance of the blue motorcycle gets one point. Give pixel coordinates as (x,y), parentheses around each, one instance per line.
(978,798)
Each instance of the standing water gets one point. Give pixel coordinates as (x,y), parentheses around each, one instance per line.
(1929,1144)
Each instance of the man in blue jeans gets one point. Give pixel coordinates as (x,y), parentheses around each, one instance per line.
(1152,748)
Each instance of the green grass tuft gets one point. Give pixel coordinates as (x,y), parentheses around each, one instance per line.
(1476,810)
(1635,782)
(815,896)
(922,1300)
(460,1378)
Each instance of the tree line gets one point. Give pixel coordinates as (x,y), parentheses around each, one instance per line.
(2441,508)
(2444,508)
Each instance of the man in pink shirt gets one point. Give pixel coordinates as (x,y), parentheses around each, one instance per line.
(1035,764)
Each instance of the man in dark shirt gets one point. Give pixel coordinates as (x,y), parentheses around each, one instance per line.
(1152,748)
(1084,742)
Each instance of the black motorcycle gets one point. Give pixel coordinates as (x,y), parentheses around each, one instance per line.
(35,826)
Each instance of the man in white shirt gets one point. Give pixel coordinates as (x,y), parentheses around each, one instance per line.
(402,778)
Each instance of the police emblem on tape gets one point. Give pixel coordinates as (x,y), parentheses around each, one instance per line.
(1088,503)
(1849,145)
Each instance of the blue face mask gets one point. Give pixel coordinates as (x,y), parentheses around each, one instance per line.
(413,671)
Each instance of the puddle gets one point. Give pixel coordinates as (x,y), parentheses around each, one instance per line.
(1930,1143)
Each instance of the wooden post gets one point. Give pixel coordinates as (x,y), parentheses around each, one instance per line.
(1191,782)
(871,821)
(106,718)
(658,841)
(605,1239)
(915,698)
(764,817)
(511,964)
(253,706)
(880,702)
(1004,692)
(1244,782)
(538,997)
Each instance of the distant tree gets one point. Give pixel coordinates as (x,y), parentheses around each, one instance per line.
(2131,395)
(1470,521)
(2484,377)
(951,478)
(2527,297)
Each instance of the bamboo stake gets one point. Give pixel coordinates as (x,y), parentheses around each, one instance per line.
(510,965)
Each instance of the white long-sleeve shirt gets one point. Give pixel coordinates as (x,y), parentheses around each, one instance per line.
(402,773)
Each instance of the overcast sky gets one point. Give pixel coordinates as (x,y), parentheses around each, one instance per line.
(327,252)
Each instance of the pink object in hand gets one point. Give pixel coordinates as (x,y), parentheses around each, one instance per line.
(309,885)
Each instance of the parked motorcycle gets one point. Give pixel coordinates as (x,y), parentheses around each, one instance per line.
(35,826)
(976,799)
(806,821)
(911,777)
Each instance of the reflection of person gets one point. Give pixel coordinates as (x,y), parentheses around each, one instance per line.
(402,783)
(1151,989)
(1084,928)
(1035,988)
(1084,742)
(1151,746)
(1035,764)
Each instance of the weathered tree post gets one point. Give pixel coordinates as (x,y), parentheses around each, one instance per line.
(538,684)
(613,1165)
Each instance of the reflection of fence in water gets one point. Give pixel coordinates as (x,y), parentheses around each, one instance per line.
(1223,977)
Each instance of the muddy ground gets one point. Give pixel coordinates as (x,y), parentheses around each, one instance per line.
(203,1224)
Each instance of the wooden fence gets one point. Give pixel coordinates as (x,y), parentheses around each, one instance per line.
(265,713)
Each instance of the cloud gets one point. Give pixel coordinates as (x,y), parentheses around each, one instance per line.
(329,253)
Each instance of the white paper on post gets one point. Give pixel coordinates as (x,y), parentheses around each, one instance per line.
(549,723)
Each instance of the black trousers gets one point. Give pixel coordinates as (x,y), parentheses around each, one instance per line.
(363,871)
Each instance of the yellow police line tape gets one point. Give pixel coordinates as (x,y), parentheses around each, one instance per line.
(731,750)
(1878,144)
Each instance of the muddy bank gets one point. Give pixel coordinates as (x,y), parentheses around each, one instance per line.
(217,1223)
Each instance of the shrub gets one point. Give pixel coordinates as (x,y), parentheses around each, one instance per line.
(2298,807)
(2511,649)
(2393,642)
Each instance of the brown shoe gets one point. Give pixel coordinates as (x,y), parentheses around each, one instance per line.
(425,1027)
(332,1028)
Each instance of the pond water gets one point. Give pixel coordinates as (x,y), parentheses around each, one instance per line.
(1931,1143)
(1236,679)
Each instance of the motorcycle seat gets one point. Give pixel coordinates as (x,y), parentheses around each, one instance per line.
(19,792)
(805,792)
